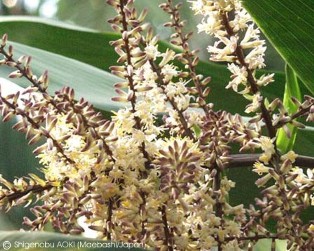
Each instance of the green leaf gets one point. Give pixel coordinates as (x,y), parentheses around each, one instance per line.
(93,84)
(16,159)
(265,244)
(93,48)
(292,89)
(87,13)
(71,41)
(289,25)
(37,241)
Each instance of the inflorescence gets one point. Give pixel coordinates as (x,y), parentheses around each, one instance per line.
(155,173)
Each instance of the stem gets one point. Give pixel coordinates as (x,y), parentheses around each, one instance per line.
(162,85)
(245,160)
(131,81)
(129,59)
(251,80)
(75,210)
(109,212)
(86,123)
(167,240)
(29,78)
(295,115)
(252,238)
(18,194)
(53,103)
(187,54)
(218,208)
(142,212)
(37,126)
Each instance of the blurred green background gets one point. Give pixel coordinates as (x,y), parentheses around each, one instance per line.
(93,14)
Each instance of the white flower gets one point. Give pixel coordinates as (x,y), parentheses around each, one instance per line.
(225,53)
(143,111)
(256,103)
(309,173)
(74,143)
(152,51)
(260,168)
(173,89)
(167,57)
(124,121)
(145,74)
(158,100)
(182,101)
(138,136)
(210,25)
(232,245)
(241,19)
(303,178)
(127,153)
(61,128)
(255,59)
(265,79)
(173,118)
(267,145)
(239,76)
(169,71)
(202,7)
(291,155)
(251,37)
(194,117)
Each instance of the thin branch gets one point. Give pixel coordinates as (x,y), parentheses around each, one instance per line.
(133,100)
(251,80)
(252,238)
(37,126)
(296,115)
(109,218)
(187,54)
(167,240)
(174,105)
(29,77)
(36,189)
(218,207)
(246,160)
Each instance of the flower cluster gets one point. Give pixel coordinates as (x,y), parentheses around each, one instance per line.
(156,173)
(238,44)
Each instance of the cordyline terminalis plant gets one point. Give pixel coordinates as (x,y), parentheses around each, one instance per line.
(155,173)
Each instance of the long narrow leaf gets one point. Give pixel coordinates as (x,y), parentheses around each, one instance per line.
(93,48)
(292,89)
(289,25)
(265,244)
(93,84)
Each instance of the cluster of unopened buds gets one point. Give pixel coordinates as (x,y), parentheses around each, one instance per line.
(156,172)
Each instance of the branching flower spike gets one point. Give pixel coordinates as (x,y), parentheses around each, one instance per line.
(157,173)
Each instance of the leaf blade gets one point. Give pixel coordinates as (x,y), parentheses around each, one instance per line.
(93,48)
(93,84)
(292,89)
(289,25)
